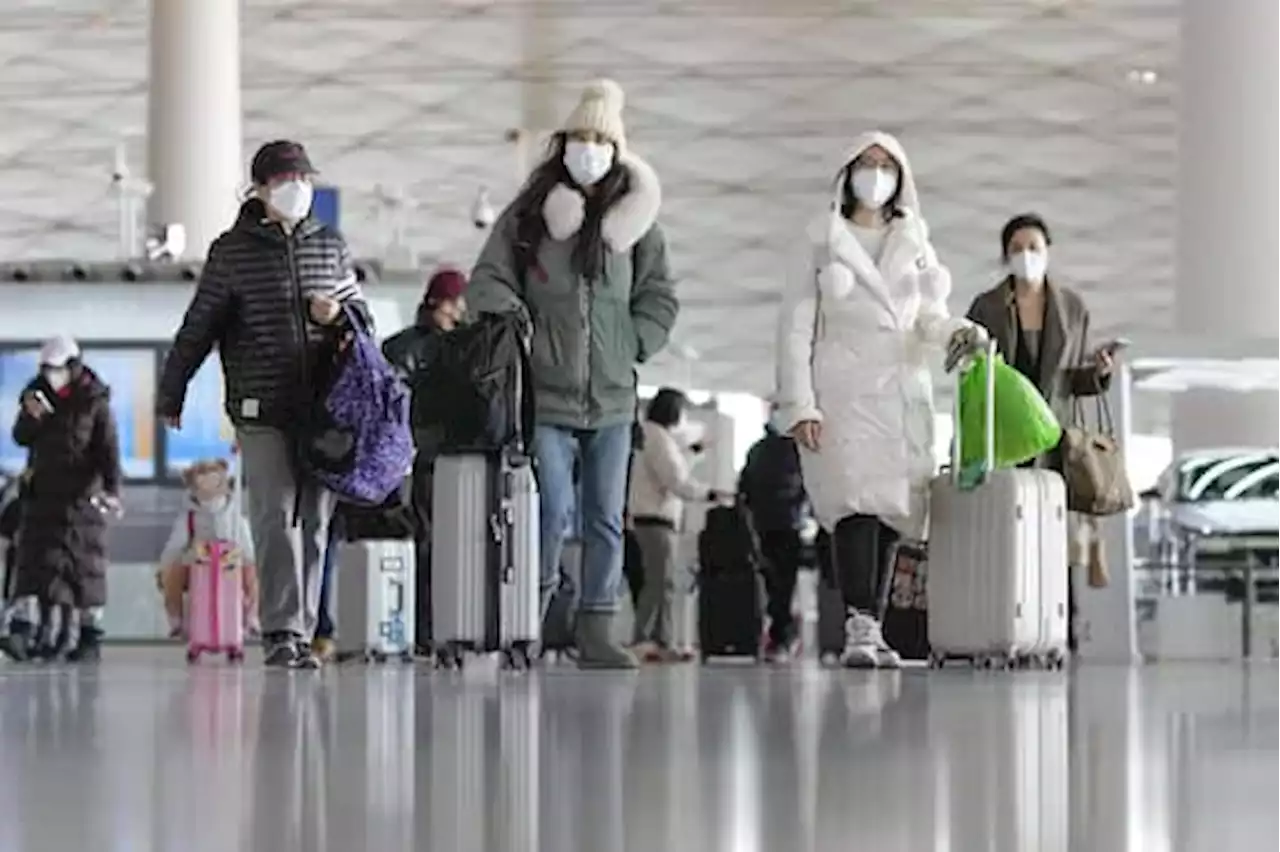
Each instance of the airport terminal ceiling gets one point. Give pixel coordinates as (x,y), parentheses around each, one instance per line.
(743,106)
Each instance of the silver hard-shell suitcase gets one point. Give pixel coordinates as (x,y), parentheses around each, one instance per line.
(375,598)
(485,557)
(998,561)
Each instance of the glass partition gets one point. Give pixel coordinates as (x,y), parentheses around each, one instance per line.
(206,432)
(149,451)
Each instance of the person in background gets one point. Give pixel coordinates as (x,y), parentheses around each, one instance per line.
(325,645)
(412,352)
(866,306)
(580,254)
(11,502)
(273,297)
(772,487)
(1041,327)
(660,484)
(65,422)
(632,558)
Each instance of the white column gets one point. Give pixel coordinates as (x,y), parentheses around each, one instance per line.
(193,117)
(1227,278)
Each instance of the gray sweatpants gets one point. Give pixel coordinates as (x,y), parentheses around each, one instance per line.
(653,614)
(290,556)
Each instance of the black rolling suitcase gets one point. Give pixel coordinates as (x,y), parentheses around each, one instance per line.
(730,587)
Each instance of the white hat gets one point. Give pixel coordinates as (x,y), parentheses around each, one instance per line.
(600,109)
(58,351)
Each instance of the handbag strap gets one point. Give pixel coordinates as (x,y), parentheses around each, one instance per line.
(1106,425)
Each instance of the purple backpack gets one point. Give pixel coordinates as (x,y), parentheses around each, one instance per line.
(357,442)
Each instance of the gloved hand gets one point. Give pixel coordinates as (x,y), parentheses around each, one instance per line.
(965,342)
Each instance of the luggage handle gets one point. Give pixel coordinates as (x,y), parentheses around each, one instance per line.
(972,479)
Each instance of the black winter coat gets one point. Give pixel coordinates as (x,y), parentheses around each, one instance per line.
(74,457)
(251,302)
(412,352)
(772,485)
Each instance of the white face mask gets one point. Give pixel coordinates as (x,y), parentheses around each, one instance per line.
(1029,266)
(873,186)
(57,377)
(291,199)
(587,162)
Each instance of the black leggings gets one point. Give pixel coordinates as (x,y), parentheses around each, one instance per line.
(861,546)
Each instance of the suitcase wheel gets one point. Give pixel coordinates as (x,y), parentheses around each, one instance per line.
(193,655)
(517,658)
(235,655)
(449,656)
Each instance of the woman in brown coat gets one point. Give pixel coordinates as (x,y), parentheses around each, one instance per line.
(1042,330)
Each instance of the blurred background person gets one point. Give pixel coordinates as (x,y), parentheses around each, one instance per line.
(271,297)
(772,487)
(661,482)
(412,352)
(854,384)
(580,252)
(66,424)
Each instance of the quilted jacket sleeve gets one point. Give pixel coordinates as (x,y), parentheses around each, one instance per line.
(934,322)
(202,326)
(798,325)
(495,282)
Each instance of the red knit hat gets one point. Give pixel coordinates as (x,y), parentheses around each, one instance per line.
(445,284)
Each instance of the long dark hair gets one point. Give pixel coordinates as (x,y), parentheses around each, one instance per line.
(531,228)
(849,202)
(666,407)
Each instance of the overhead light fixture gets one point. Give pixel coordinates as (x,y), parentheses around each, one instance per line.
(1142,76)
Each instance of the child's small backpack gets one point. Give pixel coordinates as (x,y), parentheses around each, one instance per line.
(356,441)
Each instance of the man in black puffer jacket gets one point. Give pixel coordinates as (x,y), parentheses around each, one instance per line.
(773,488)
(412,352)
(271,297)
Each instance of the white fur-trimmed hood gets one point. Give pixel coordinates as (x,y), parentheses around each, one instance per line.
(627,221)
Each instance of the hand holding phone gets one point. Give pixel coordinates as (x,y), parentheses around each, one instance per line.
(36,404)
(1106,353)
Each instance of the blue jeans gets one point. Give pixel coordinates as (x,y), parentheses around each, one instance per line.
(605,454)
(325,622)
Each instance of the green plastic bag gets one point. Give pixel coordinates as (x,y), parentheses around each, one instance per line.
(1026,426)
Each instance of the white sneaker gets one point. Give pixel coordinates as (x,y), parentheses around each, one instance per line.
(864,645)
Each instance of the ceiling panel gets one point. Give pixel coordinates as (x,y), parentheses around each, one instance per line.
(743,106)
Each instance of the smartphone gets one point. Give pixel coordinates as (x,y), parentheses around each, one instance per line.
(1113,347)
(44,401)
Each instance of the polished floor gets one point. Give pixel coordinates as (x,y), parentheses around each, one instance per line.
(145,755)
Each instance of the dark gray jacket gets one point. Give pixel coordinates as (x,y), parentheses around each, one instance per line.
(251,302)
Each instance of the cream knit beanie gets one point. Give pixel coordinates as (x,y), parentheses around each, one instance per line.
(600,109)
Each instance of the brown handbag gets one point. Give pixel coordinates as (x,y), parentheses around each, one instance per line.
(1093,465)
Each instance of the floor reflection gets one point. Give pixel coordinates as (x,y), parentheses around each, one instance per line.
(144,754)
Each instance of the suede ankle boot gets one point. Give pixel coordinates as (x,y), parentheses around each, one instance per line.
(596,646)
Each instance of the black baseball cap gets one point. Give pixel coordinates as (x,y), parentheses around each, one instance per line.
(281,157)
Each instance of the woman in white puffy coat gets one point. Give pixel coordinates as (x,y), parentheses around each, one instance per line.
(867,308)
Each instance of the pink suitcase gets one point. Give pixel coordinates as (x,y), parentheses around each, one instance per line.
(215,603)
(998,563)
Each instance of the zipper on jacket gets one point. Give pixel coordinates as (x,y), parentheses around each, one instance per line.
(584,308)
(300,310)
